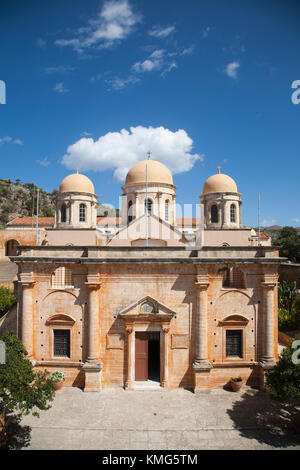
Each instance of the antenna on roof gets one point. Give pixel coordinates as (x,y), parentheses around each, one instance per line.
(146,205)
(37,217)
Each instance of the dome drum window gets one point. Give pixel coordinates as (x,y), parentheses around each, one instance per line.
(167,210)
(82,213)
(148,206)
(233,213)
(63,213)
(214,215)
(130,210)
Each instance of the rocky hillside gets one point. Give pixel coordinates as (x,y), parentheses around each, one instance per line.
(20,200)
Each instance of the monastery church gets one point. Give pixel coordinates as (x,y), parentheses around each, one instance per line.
(147,300)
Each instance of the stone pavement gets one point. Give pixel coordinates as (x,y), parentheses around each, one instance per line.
(171,420)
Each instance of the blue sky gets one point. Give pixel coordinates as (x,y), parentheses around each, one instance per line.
(199,83)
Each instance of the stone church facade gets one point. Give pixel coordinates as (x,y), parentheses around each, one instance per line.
(148,305)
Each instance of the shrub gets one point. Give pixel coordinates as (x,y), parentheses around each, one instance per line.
(7,300)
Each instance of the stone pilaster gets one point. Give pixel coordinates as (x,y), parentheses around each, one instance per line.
(129,384)
(27,316)
(165,377)
(93,366)
(201,364)
(268,322)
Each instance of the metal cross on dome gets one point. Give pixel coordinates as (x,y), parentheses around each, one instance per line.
(149,155)
(219,169)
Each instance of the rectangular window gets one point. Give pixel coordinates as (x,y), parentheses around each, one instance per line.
(234,343)
(62,343)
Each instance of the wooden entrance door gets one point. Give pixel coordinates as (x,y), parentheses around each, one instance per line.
(141,356)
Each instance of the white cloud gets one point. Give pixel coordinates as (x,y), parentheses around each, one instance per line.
(295,219)
(188,50)
(113,23)
(59,69)
(118,83)
(268,222)
(60,88)
(40,43)
(156,61)
(205,31)
(159,32)
(45,162)
(6,139)
(119,151)
(231,69)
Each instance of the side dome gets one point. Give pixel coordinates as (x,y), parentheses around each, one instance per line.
(219,183)
(76,183)
(157,173)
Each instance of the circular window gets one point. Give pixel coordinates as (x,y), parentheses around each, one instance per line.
(147,307)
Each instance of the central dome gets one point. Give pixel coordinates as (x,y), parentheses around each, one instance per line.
(157,173)
(76,183)
(219,183)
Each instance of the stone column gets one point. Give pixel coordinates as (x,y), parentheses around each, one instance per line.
(201,363)
(130,359)
(165,375)
(268,321)
(27,317)
(93,366)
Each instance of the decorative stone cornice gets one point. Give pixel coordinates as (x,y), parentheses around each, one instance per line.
(268,285)
(202,366)
(92,366)
(202,285)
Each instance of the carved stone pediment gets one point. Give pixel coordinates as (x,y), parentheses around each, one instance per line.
(147,309)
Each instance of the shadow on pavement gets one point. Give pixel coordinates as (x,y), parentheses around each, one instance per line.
(256,416)
(16,436)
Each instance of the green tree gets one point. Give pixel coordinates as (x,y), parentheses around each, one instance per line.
(283,381)
(21,388)
(7,300)
(288,242)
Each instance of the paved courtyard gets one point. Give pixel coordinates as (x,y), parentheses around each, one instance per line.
(117,419)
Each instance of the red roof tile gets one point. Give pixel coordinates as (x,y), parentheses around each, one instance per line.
(28,222)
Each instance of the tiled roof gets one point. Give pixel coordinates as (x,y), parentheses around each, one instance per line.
(28,222)
(191,221)
(263,236)
(103,221)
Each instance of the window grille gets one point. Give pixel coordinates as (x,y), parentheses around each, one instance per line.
(167,210)
(82,213)
(234,278)
(232,213)
(148,204)
(62,278)
(234,343)
(62,343)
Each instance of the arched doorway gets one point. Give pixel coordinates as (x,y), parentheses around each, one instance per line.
(11,247)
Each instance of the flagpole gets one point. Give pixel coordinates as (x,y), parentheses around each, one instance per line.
(258,219)
(37,218)
(147,243)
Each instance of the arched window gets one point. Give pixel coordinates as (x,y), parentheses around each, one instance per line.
(234,278)
(82,212)
(11,248)
(148,204)
(63,213)
(62,278)
(214,216)
(130,208)
(167,210)
(232,213)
